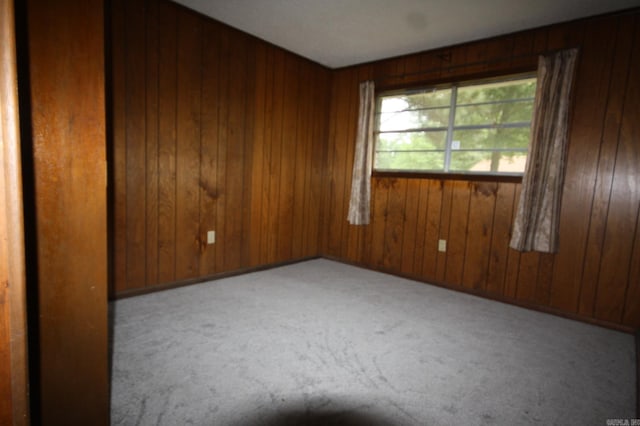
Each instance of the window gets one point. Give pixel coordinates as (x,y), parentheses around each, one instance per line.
(479,127)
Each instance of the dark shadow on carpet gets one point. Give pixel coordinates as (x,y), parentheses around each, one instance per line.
(296,417)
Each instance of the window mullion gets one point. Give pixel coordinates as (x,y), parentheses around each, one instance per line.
(409,142)
(376,134)
(452,117)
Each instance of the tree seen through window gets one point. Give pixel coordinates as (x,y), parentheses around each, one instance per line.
(465,128)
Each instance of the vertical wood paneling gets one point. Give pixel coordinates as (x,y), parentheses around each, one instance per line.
(632,307)
(523,45)
(228,220)
(67,100)
(545,276)
(350,115)
(288,160)
(209,191)
(307,194)
(527,276)
(328,239)
(444,220)
(135,138)
(213,131)
(257,182)
(378,220)
(221,145)
(629,137)
(606,163)
(431,258)
(167,108)
(394,225)
(275,160)
(317,169)
(248,55)
(343,88)
(410,232)
(418,246)
(265,181)
(513,256)
(6,406)
(498,249)
(480,229)
(458,231)
(243,130)
(592,83)
(624,203)
(151,154)
(234,160)
(14,375)
(300,181)
(188,147)
(119,146)
(594,275)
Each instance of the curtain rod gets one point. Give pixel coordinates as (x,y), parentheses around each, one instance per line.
(446,56)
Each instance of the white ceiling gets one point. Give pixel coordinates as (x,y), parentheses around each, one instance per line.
(338,33)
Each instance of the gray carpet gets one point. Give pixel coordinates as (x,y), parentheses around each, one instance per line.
(321,342)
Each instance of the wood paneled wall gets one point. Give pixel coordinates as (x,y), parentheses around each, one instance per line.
(14,406)
(216,130)
(212,130)
(596,274)
(66,79)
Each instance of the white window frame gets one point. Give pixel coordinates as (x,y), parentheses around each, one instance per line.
(451,127)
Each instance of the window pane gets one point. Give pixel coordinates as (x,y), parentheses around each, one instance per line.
(511,138)
(414,119)
(426,160)
(415,110)
(497,91)
(409,141)
(429,98)
(513,162)
(489,133)
(495,113)
(483,161)
(464,161)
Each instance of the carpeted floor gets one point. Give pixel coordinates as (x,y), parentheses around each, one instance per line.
(321,342)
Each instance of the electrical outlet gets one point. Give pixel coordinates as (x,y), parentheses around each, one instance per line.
(442,245)
(211,237)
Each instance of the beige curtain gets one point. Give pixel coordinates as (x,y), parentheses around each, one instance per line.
(362,163)
(536,223)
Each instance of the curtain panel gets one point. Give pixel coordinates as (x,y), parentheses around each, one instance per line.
(359,203)
(537,216)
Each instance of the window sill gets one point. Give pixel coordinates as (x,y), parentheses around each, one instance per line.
(478,177)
